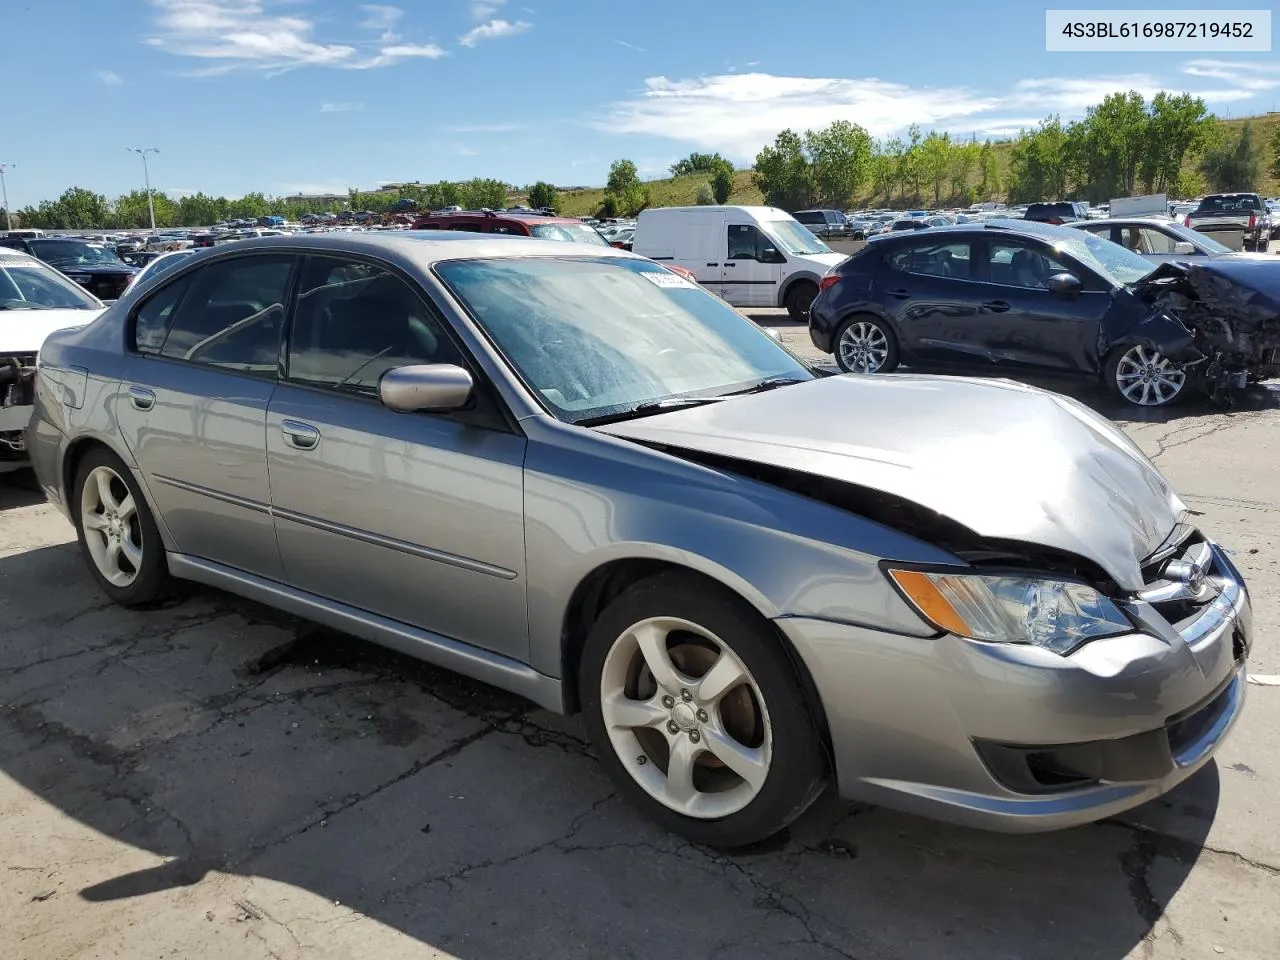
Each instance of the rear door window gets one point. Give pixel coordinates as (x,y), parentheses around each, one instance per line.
(933,259)
(232,315)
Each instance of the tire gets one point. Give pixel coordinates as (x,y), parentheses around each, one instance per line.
(799,299)
(127,523)
(879,353)
(1128,383)
(774,735)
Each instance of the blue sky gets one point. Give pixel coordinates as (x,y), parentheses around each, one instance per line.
(315,95)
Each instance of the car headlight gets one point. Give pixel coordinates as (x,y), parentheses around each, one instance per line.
(1055,614)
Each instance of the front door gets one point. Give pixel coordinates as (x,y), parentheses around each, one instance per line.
(748,278)
(415,517)
(193,406)
(1024,323)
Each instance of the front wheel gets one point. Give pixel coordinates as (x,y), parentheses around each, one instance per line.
(865,344)
(696,712)
(1144,376)
(799,300)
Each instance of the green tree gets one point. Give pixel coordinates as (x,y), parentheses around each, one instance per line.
(543,194)
(624,191)
(130,210)
(935,161)
(480,193)
(988,172)
(722,183)
(200,209)
(705,195)
(782,173)
(1039,163)
(622,175)
(881,171)
(909,171)
(1231,162)
(705,163)
(1176,127)
(839,161)
(1275,152)
(961,161)
(1107,147)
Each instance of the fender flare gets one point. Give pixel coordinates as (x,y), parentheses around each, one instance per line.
(800,276)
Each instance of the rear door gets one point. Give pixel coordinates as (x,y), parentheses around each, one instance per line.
(1021,322)
(193,405)
(748,277)
(928,289)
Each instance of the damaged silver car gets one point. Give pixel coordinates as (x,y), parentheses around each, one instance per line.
(570,472)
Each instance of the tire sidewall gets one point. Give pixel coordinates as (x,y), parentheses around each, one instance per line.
(797,769)
(152,582)
(891,359)
(803,290)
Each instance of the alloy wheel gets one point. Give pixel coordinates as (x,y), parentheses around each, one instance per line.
(863,347)
(1148,378)
(112,527)
(686,718)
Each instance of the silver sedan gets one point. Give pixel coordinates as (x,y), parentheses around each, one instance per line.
(570,472)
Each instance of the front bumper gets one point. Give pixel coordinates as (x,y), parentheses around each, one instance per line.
(918,724)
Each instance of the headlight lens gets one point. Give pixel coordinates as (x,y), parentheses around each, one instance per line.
(1054,614)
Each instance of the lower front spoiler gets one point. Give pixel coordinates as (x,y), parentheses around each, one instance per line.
(1040,814)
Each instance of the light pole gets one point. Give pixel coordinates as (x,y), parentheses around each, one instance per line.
(4,190)
(146,173)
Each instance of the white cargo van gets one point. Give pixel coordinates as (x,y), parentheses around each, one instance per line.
(749,256)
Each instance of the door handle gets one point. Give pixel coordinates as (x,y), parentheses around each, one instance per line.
(996,306)
(299,435)
(900,293)
(730,264)
(142,398)
(713,264)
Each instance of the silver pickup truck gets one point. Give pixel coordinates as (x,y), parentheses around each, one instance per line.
(1226,216)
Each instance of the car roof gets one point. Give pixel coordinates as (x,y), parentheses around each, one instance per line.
(13,253)
(1046,231)
(424,247)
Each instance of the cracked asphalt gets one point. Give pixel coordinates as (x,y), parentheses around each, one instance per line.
(215,779)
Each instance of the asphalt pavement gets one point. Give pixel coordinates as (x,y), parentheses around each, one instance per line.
(215,779)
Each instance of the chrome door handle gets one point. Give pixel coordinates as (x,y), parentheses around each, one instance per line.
(299,435)
(142,398)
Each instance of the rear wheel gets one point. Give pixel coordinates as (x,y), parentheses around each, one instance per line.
(800,299)
(117,533)
(1144,376)
(697,713)
(865,344)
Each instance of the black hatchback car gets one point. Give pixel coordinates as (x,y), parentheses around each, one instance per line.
(95,266)
(1002,295)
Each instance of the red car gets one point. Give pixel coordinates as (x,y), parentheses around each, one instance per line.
(519,224)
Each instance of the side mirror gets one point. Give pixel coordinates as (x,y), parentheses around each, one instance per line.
(1065,285)
(434,387)
(771,255)
(1184,248)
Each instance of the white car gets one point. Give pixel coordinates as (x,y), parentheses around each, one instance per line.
(35,300)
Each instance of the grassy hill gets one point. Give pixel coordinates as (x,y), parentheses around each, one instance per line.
(682,191)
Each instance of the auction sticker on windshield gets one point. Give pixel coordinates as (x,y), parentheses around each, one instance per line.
(1172,31)
(664,278)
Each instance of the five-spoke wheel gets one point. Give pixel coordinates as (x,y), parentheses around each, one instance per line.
(698,713)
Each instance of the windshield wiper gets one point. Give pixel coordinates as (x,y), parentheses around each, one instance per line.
(770,383)
(648,407)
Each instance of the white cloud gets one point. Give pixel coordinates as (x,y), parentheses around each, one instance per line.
(630,46)
(109,78)
(484,9)
(342,107)
(493,30)
(1252,75)
(381,17)
(737,114)
(245,35)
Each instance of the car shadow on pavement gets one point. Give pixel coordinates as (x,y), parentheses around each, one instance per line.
(223,737)
(15,491)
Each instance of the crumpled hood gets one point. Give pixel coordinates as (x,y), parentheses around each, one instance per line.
(24,331)
(1008,461)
